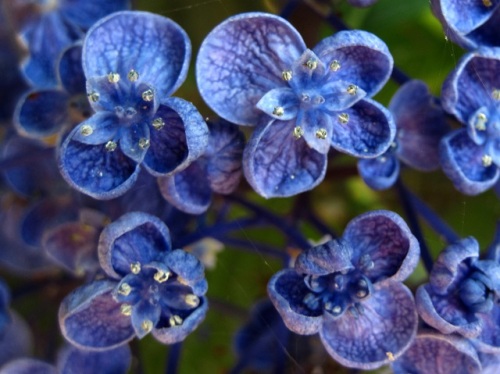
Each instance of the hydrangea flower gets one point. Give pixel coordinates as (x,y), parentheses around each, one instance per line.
(349,291)
(254,69)
(133,61)
(47,27)
(462,293)
(435,353)
(218,171)
(420,123)
(470,156)
(470,24)
(150,288)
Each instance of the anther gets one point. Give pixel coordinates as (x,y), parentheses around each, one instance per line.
(110,146)
(311,64)
(286,75)
(481,120)
(161,276)
(144,143)
(337,309)
(321,134)
(298,132)
(343,118)
(93,96)
(390,356)
(487,160)
(487,3)
(113,77)
(335,65)
(86,130)
(352,89)
(126,309)
(175,320)
(124,289)
(192,300)
(279,111)
(158,123)
(496,94)
(148,95)
(135,267)
(132,75)
(147,325)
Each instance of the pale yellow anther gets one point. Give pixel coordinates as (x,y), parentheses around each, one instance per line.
(158,123)
(487,3)
(86,130)
(279,111)
(298,132)
(132,75)
(321,134)
(286,75)
(487,160)
(147,325)
(496,94)
(352,89)
(135,267)
(343,118)
(390,356)
(110,146)
(312,64)
(113,77)
(175,320)
(93,96)
(161,276)
(125,289)
(335,65)
(144,143)
(126,309)
(192,300)
(148,95)
(481,120)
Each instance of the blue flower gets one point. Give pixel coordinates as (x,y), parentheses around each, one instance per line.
(350,291)
(150,288)
(218,171)
(470,156)
(421,124)
(133,61)
(48,27)
(470,24)
(254,69)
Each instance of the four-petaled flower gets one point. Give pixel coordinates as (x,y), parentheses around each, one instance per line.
(151,288)
(254,69)
(350,291)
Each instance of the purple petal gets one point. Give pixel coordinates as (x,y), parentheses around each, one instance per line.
(368,132)
(71,70)
(276,98)
(462,162)
(131,140)
(189,270)
(287,290)
(133,238)
(72,360)
(383,330)
(318,129)
(364,59)
(28,366)
(85,13)
(154,46)
(333,256)
(489,339)
(276,164)
(420,123)
(90,318)
(16,340)
(98,129)
(379,173)
(242,59)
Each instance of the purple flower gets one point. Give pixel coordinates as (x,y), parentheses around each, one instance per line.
(470,24)
(420,123)
(133,62)
(150,288)
(470,156)
(254,69)
(350,291)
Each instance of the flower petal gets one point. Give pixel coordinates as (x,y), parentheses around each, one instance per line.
(16,340)
(28,366)
(242,59)
(365,130)
(489,339)
(276,164)
(134,237)
(318,129)
(134,141)
(90,318)
(98,129)
(333,256)
(279,103)
(381,332)
(379,173)
(386,240)
(462,162)
(154,46)
(189,270)
(71,71)
(287,290)
(85,13)
(72,360)
(364,59)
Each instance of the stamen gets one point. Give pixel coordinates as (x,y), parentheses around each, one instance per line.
(144,143)
(110,146)
(481,120)
(279,111)
(311,300)
(292,176)
(286,75)
(312,64)
(124,289)
(337,309)
(161,276)
(390,356)
(192,300)
(147,325)
(321,134)
(335,65)
(496,94)
(352,89)
(343,118)
(126,309)
(86,130)
(298,132)
(487,160)
(113,77)
(148,95)
(175,320)
(135,267)
(93,96)
(487,3)
(158,123)
(132,75)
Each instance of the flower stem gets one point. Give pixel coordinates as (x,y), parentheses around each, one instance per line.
(173,358)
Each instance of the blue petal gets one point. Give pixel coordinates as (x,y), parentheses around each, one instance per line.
(28,366)
(489,339)
(420,123)
(364,59)
(85,13)
(189,270)
(287,290)
(381,332)
(438,354)
(90,318)
(104,127)
(368,133)
(42,113)
(182,139)
(384,238)
(276,164)
(72,360)
(154,46)
(16,340)
(477,14)
(94,171)
(307,71)
(144,311)
(333,256)
(461,160)
(242,59)
(71,70)
(318,129)
(379,173)
(279,98)
(131,139)
(134,237)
